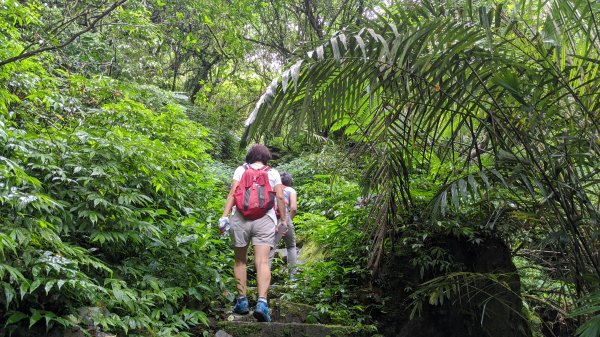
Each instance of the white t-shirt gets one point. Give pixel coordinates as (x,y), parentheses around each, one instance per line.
(274,180)
(287,192)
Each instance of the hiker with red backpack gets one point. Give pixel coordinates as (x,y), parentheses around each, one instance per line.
(254,188)
(289,237)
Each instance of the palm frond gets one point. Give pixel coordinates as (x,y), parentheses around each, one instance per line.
(466,86)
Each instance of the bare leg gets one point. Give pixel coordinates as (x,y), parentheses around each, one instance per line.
(239,269)
(263,272)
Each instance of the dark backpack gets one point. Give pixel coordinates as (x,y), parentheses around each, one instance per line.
(254,196)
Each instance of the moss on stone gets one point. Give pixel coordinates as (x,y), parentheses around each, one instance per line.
(241,328)
(312,252)
(289,312)
(246,329)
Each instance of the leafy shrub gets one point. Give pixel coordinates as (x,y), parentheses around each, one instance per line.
(107,208)
(329,161)
(334,249)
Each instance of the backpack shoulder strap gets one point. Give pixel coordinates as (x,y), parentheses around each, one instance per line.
(264,168)
(248,176)
(247,166)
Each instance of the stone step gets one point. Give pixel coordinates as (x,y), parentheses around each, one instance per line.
(282,312)
(289,312)
(277,329)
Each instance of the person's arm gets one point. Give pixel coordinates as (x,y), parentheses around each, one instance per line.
(281,205)
(293,205)
(230,200)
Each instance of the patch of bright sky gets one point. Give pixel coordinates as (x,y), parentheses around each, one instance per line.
(268,60)
(273,62)
(380,10)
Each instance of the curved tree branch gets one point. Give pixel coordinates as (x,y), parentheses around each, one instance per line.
(91,26)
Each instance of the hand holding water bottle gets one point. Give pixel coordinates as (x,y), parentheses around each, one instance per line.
(224,225)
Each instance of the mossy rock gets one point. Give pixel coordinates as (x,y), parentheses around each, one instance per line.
(312,252)
(247,329)
(289,312)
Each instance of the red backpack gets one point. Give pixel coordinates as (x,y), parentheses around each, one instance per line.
(254,196)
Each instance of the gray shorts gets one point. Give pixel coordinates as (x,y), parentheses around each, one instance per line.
(261,231)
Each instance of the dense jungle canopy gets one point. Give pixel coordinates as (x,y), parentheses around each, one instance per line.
(446,156)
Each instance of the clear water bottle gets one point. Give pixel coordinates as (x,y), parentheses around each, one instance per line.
(224,226)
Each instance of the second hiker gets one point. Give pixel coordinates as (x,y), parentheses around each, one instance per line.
(289,237)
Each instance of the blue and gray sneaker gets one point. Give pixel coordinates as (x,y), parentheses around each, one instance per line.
(261,313)
(241,306)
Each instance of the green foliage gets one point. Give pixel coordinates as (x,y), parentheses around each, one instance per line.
(589,306)
(456,287)
(326,165)
(481,100)
(334,249)
(412,97)
(323,284)
(542,291)
(107,207)
(466,119)
(107,186)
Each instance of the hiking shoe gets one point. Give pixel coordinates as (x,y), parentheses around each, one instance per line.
(241,306)
(261,313)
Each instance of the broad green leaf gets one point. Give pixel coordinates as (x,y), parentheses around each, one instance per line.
(9,293)
(15,317)
(35,317)
(49,286)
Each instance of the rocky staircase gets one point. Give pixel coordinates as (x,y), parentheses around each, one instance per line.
(288,320)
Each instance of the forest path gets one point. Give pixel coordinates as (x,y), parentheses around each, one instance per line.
(288,319)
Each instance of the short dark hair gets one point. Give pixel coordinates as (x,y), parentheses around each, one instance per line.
(258,152)
(286,179)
